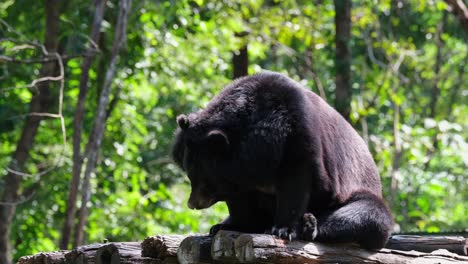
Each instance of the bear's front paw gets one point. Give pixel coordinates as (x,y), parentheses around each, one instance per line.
(214,229)
(284,232)
(309,227)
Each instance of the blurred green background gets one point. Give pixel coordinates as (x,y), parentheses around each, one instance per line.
(408,101)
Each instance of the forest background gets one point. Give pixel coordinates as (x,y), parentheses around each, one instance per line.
(89,92)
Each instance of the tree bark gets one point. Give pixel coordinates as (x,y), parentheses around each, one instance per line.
(40,103)
(240,59)
(44,258)
(268,249)
(161,246)
(100,118)
(235,247)
(111,253)
(455,244)
(240,62)
(77,129)
(343,57)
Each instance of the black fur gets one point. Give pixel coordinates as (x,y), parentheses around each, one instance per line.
(285,162)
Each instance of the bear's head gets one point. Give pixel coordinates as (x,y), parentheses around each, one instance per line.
(202,151)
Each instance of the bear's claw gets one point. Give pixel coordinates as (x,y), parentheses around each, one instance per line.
(284,232)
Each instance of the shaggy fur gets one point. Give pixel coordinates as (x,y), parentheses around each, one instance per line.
(284,162)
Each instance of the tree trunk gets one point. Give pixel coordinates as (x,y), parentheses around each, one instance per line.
(40,103)
(240,59)
(77,129)
(343,57)
(240,62)
(100,118)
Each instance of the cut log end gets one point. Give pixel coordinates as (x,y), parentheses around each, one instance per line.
(161,246)
(108,254)
(222,247)
(195,249)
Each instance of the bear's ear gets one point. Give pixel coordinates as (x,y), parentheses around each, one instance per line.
(183,122)
(217,140)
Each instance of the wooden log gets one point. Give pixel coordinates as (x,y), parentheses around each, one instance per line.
(195,250)
(57,257)
(233,247)
(455,244)
(222,247)
(251,248)
(125,252)
(161,246)
(83,254)
(109,253)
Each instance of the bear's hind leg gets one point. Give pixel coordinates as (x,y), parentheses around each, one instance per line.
(364,218)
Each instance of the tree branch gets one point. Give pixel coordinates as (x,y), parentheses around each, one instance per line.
(4,58)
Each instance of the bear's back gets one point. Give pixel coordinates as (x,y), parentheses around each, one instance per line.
(347,161)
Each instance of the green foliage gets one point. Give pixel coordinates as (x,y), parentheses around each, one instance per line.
(178,56)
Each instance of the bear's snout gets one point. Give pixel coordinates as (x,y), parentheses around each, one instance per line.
(198,202)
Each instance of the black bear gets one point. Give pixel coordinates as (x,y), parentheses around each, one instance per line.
(285,162)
